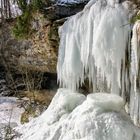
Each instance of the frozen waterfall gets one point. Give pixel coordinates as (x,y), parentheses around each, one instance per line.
(95,44)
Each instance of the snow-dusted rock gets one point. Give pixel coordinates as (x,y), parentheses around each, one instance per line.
(72,116)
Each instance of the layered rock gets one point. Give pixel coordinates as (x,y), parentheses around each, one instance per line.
(39,52)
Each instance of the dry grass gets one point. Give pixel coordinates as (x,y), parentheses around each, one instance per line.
(43,97)
(37,103)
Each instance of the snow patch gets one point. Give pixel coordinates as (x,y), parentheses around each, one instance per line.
(10,112)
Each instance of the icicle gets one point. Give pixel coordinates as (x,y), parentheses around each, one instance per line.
(135,72)
(93,43)
(135,53)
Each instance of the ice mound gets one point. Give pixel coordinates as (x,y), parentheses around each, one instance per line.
(106,101)
(72,116)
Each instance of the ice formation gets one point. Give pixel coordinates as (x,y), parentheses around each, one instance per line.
(10,111)
(95,44)
(72,116)
(135,75)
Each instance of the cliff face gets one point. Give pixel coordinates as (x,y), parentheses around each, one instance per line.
(33,58)
(41,54)
(38,52)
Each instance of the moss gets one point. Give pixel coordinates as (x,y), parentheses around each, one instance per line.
(30,112)
(135,18)
(24,118)
(37,4)
(22,28)
(22,5)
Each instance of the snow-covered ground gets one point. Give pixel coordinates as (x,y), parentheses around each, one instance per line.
(10,114)
(72,116)
(10,110)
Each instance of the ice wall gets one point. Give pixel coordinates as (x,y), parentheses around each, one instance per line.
(95,44)
(72,116)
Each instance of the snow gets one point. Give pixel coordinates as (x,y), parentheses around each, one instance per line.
(72,116)
(9,110)
(10,114)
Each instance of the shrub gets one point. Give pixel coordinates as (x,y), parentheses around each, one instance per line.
(22,27)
